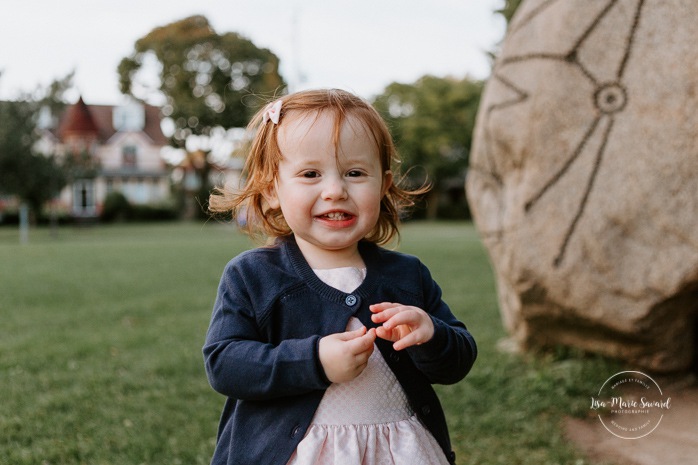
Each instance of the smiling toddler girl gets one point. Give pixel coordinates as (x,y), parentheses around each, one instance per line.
(325,343)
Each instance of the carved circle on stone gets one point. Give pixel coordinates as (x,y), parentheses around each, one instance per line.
(610,98)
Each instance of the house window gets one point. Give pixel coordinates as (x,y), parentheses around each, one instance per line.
(128,156)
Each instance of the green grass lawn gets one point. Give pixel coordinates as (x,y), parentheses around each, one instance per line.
(101,331)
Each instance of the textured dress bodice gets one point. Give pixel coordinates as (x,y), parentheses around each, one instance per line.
(367,420)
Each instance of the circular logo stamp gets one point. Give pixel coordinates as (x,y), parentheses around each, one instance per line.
(630,405)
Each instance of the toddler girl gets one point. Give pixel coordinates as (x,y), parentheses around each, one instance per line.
(296,324)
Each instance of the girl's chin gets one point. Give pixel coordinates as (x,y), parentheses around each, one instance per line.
(329,245)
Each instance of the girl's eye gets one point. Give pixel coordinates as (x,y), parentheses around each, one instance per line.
(311,174)
(354,173)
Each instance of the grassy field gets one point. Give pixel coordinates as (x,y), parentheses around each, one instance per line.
(101,331)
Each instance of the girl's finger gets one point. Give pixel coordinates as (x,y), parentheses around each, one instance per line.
(349,335)
(362,343)
(403,343)
(385,314)
(387,334)
(401,318)
(411,339)
(376,308)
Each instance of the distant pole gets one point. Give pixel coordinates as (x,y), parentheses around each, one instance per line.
(23,223)
(54,221)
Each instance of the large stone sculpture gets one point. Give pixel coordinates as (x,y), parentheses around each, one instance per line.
(584,178)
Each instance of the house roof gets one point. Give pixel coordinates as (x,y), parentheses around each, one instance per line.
(83,119)
(77,120)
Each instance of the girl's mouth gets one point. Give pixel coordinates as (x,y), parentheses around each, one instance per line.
(336,216)
(337,219)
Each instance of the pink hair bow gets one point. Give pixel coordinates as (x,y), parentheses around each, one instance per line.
(272,112)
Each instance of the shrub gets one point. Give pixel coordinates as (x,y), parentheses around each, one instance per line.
(153,213)
(116,208)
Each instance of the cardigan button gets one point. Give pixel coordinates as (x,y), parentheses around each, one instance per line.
(295,431)
(394,356)
(426,410)
(452,457)
(351,300)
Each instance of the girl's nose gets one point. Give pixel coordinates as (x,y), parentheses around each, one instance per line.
(334,188)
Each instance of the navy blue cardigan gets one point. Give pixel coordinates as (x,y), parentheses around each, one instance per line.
(261,348)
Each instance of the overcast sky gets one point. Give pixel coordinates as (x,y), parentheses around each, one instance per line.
(358,45)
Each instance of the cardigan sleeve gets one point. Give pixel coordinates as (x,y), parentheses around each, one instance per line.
(241,364)
(451,353)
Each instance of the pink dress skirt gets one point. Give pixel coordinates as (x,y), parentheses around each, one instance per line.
(368,420)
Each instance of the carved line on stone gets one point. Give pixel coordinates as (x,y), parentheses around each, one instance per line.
(585,198)
(535,56)
(490,171)
(594,23)
(474,169)
(556,177)
(609,98)
(636,22)
(520,96)
(572,58)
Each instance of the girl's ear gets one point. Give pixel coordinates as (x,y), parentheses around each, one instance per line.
(387,182)
(270,196)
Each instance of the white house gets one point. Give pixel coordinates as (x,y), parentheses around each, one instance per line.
(116,148)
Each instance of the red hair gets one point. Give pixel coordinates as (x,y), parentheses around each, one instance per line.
(263,159)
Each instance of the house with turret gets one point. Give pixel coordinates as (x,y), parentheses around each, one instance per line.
(108,149)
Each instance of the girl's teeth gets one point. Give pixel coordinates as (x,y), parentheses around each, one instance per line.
(335,216)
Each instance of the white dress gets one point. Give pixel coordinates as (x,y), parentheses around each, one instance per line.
(368,420)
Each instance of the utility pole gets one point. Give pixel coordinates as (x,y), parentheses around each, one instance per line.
(23,223)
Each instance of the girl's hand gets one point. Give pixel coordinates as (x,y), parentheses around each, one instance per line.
(344,355)
(404,325)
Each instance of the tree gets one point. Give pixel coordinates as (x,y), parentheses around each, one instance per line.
(34,178)
(432,122)
(509,8)
(206,78)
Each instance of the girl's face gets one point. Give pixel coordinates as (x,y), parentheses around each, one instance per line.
(330,200)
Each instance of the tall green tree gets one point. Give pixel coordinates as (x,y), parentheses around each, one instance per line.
(207,79)
(204,81)
(432,122)
(34,178)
